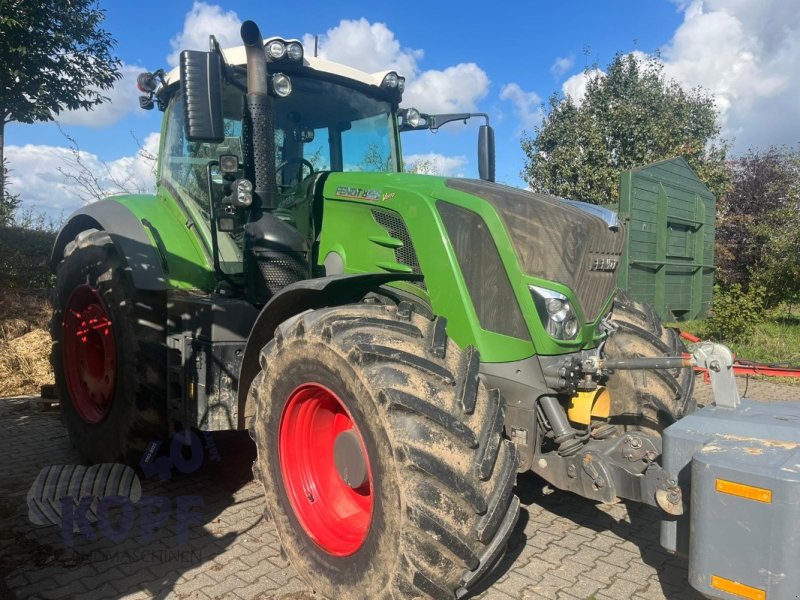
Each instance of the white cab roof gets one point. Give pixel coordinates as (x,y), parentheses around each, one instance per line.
(236,56)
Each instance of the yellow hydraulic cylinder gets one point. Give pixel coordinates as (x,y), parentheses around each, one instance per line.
(587,405)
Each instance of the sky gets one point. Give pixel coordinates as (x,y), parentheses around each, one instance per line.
(505,60)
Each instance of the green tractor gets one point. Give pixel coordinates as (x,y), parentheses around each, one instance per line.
(399,345)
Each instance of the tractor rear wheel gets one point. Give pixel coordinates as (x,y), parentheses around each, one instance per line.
(108,353)
(382,454)
(649,400)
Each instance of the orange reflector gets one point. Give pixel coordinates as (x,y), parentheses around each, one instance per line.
(739,589)
(744,491)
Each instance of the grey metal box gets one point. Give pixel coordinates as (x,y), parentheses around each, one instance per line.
(731,531)
(745,518)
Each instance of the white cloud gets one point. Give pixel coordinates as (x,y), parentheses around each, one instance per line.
(561,65)
(373,47)
(433,163)
(370,47)
(746,54)
(575,86)
(200,22)
(527,105)
(37,174)
(123,99)
(456,89)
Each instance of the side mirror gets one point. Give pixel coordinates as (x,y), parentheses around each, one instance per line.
(486,153)
(201,85)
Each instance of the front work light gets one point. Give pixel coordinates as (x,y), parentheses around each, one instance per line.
(276,49)
(294,51)
(281,84)
(391,81)
(556,313)
(242,195)
(412,117)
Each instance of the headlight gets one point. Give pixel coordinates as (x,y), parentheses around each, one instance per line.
(556,313)
(281,84)
(276,49)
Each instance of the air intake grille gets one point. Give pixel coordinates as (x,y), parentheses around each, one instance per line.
(483,271)
(405,254)
(279,269)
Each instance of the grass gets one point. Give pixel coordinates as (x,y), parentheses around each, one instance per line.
(776,340)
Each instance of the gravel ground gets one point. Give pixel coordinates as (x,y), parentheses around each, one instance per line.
(564,547)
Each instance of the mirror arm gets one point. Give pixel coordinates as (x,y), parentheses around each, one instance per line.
(437,121)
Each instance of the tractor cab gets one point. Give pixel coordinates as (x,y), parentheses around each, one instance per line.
(321,118)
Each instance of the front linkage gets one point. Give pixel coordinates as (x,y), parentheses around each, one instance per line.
(600,465)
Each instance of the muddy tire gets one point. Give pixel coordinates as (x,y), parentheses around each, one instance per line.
(108,353)
(646,400)
(428,508)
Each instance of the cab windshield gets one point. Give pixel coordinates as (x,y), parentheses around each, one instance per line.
(335,128)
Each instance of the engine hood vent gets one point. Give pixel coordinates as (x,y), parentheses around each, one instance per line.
(556,240)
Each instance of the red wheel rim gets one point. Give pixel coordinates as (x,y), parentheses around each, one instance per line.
(333,514)
(89,354)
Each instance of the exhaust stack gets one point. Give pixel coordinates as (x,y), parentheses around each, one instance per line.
(260,118)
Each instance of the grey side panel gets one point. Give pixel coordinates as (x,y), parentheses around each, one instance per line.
(129,237)
(299,297)
(521,383)
(206,336)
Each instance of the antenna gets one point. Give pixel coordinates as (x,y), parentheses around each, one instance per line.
(316,45)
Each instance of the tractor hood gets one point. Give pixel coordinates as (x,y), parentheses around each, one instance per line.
(571,243)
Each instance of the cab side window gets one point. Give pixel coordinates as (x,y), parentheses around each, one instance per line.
(184,163)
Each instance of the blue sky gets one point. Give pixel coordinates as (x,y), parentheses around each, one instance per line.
(503,59)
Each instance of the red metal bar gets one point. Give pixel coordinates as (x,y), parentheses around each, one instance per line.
(751,368)
(689,337)
(758,369)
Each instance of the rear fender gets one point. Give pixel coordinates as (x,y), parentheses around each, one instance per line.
(130,238)
(294,299)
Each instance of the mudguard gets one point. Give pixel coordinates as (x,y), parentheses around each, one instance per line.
(127,232)
(298,297)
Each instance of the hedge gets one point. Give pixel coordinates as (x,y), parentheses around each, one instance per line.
(25,258)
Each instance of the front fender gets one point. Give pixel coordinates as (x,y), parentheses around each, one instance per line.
(308,294)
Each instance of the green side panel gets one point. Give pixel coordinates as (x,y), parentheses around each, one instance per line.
(351,230)
(669,254)
(188,262)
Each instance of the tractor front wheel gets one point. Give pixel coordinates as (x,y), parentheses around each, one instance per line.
(381,454)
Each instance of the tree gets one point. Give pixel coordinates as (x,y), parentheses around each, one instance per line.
(9,203)
(54,56)
(93,180)
(758,224)
(630,116)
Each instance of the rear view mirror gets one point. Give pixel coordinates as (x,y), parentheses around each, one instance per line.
(201,84)
(486,153)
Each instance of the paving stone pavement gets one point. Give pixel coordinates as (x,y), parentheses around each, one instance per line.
(564,547)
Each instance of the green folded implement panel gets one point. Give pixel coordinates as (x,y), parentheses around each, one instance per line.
(669,258)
